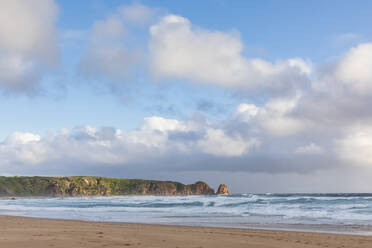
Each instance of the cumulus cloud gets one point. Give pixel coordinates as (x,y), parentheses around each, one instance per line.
(242,143)
(332,116)
(350,74)
(356,146)
(354,69)
(163,145)
(156,139)
(275,117)
(217,143)
(28,43)
(340,94)
(179,49)
(328,122)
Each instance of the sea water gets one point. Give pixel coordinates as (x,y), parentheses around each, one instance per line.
(343,213)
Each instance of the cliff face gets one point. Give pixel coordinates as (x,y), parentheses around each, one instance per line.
(96,186)
(222,190)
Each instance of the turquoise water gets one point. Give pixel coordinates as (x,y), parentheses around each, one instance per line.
(321,212)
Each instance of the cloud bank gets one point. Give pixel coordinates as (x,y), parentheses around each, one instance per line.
(157,139)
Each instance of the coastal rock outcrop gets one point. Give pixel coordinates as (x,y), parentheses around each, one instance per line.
(96,186)
(223,190)
(201,188)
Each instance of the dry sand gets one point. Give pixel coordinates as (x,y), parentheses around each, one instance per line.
(23,232)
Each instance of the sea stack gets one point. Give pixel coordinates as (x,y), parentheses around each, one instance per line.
(223,190)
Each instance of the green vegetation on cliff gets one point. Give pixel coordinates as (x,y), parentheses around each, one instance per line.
(96,186)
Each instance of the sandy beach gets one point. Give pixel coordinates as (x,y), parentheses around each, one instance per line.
(17,232)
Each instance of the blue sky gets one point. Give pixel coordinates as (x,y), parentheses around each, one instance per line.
(239,89)
(269,29)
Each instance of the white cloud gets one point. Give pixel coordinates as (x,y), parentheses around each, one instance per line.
(354,69)
(22,148)
(21,138)
(17,73)
(181,50)
(304,67)
(157,123)
(157,138)
(355,148)
(27,42)
(350,74)
(275,117)
(247,111)
(216,142)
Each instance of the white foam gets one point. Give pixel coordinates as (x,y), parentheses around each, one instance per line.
(212,210)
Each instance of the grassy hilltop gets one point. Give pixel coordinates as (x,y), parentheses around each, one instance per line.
(96,186)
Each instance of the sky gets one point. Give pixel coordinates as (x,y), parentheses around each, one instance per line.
(265,96)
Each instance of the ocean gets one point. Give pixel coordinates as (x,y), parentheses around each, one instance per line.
(333,213)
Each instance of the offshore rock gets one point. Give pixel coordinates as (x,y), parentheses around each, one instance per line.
(223,190)
(96,186)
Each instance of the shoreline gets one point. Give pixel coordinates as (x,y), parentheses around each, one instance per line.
(72,209)
(347,229)
(40,232)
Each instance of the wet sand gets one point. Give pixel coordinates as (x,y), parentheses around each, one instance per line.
(19,232)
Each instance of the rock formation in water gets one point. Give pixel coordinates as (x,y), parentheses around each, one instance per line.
(96,186)
(222,190)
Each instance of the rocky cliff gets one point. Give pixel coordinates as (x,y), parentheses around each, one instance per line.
(222,190)
(96,186)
